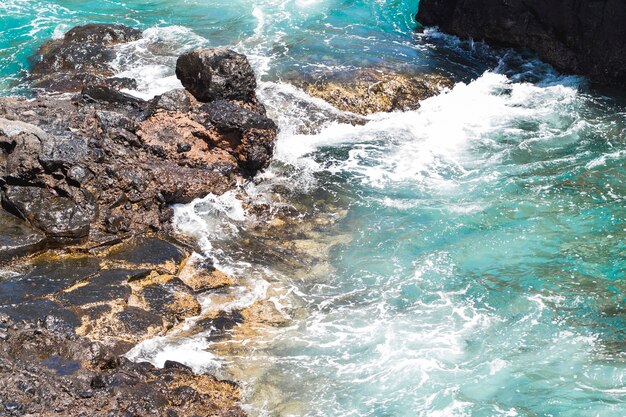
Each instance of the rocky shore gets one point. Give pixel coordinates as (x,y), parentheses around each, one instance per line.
(576,36)
(87,177)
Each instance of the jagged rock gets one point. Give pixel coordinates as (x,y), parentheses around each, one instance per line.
(82,57)
(46,372)
(119,161)
(17,238)
(253,133)
(102,34)
(579,36)
(366,91)
(106,286)
(175,100)
(216,73)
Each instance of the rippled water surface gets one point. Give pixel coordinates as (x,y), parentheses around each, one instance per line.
(464,259)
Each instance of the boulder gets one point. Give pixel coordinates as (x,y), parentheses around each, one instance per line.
(216,73)
(83,56)
(578,36)
(60,218)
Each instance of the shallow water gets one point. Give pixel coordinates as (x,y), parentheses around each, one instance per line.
(464,259)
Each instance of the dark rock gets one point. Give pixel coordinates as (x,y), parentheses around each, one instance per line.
(220,325)
(62,152)
(104,162)
(110,95)
(216,73)
(108,285)
(60,218)
(175,365)
(254,132)
(137,320)
(148,252)
(98,382)
(46,278)
(17,238)
(174,100)
(104,34)
(579,36)
(82,57)
(35,311)
(227,115)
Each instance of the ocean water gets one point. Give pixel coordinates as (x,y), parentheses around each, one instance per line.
(463,259)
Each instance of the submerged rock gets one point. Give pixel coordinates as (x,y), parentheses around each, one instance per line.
(367,91)
(579,36)
(216,73)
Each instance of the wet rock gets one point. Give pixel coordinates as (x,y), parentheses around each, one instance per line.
(60,218)
(119,161)
(103,34)
(47,277)
(251,134)
(17,238)
(148,253)
(200,275)
(366,91)
(216,73)
(222,323)
(35,311)
(227,115)
(82,57)
(108,285)
(111,95)
(44,373)
(579,36)
(167,296)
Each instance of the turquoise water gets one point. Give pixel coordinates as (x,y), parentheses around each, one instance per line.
(477,266)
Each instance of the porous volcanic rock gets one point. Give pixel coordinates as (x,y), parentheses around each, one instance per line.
(47,371)
(103,163)
(216,73)
(82,56)
(579,36)
(368,90)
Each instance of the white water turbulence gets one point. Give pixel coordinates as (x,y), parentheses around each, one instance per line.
(462,259)
(470,270)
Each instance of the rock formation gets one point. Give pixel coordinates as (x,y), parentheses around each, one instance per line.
(367,91)
(86,183)
(103,164)
(579,36)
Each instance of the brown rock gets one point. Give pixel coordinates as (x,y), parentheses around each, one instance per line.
(367,91)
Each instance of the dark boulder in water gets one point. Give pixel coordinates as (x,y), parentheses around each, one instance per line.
(216,73)
(579,36)
(83,56)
